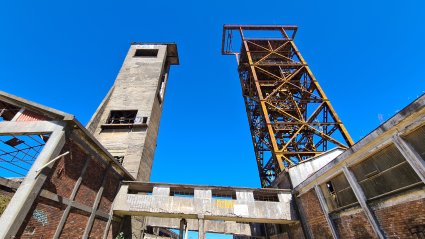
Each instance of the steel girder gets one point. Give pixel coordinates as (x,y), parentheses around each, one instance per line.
(290,117)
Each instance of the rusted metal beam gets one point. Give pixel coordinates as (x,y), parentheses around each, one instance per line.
(290,117)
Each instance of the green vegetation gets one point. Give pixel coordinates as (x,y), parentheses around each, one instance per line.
(120,236)
(4,201)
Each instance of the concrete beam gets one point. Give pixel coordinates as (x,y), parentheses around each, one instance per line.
(325,210)
(361,198)
(411,156)
(28,127)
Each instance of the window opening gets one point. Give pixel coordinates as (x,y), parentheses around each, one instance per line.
(122,117)
(146,53)
(416,139)
(18,153)
(267,197)
(120,159)
(338,192)
(384,172)
(223,195)
(182,192)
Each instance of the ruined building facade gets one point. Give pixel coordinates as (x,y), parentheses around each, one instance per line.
(60,179)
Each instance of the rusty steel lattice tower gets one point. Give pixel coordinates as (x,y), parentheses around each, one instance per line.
(290,117)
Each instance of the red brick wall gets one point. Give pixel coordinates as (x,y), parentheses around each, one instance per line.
(61,181)
(314,215)
(75,224)
(42,220)
(110,190)
(98,228)
(400,220)
(354,226)
(65,172)
(91,183)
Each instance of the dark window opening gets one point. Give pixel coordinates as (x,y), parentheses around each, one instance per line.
(182,192)
(267,197)
(223,195)
(338,192)
(122,117)
(146,53)
(330,187)
(7,111)
(120,159)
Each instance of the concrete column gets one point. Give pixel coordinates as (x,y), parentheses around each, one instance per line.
(361,198)
(411,156)
(201,228)
(325,210)
(301,213)
(24,197)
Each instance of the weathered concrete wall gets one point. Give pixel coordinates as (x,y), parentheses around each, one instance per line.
(302,171)
(243,209)
(136,87)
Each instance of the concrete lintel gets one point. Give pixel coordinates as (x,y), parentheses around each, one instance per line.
(361,198)
(411,156)
(27,192)
(325,210)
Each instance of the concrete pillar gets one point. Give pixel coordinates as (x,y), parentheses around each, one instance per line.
(24,197)
(325,210)
(201,228)
(411,156)
(361,198)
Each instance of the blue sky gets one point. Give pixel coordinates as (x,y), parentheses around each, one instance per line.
(367,56)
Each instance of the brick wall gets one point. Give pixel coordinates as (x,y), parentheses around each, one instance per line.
(44,216)
(353,223)
(42,220)
(314,215)
(403,220)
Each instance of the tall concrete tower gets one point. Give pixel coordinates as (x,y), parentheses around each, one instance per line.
(127,120)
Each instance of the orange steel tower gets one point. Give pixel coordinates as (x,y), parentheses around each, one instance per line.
(290,117)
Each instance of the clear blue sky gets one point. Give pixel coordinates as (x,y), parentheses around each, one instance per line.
(367,55)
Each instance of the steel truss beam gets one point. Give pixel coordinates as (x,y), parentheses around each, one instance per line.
(290,117)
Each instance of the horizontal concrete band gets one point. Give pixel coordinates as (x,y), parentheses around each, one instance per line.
(202,205)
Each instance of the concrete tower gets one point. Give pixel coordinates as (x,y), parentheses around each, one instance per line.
(127,120)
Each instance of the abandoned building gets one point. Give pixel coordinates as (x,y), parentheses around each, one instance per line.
(60,179)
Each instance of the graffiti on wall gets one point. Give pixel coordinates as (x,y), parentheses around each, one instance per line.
(40,216)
